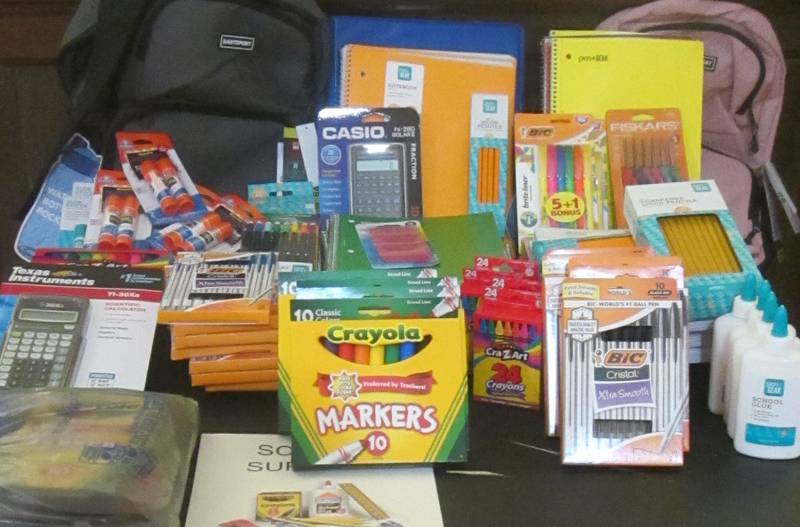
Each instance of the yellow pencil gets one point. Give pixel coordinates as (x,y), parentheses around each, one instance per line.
(731,262)
(705,251)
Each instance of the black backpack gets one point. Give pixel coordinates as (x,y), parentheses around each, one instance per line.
(223,78)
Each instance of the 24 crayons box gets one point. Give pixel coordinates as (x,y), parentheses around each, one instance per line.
(374,380)
(503,297)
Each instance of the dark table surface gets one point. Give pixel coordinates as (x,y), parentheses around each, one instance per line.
(716,485)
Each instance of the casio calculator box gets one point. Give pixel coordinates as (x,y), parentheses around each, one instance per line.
(77,326)
(369,162)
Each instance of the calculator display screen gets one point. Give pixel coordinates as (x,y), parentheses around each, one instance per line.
(378,165)
(48,315)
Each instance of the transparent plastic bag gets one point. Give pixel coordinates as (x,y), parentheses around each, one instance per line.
(85,458)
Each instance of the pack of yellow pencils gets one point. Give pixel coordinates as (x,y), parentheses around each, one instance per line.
(690,220)
(489,156)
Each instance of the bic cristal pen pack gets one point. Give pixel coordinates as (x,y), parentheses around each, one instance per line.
(624,385)
(374,380)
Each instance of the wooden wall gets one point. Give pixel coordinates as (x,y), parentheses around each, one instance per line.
(33,106)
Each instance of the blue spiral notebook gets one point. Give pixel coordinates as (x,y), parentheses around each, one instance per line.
(439,35)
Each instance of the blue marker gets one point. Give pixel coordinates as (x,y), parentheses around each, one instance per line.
(407,350)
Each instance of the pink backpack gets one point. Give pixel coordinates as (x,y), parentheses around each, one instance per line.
(742,99)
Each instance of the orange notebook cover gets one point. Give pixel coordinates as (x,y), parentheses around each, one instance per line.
(448,83)
(225,339)
(234,377)
(185,330)
(233,362)
(247,387)
(188,353)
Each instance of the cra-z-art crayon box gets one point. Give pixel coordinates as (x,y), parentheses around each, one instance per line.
(374,380)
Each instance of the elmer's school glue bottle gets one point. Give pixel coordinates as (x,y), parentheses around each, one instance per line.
(739,347)
(768,402)
(747,328)
(720,351)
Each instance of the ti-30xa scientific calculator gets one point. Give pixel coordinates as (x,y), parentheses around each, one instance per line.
(42,342)
(378,180)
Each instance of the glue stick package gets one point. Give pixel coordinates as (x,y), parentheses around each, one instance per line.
(220,229)
(561,173)
(644,147)
(396,244)
(115,220)
(159,179)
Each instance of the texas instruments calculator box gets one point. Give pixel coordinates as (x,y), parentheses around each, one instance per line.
(77,326)
(369,162)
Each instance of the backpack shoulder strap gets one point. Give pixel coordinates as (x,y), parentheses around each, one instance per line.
(105,32)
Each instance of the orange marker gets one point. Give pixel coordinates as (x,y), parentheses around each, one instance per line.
(361,355)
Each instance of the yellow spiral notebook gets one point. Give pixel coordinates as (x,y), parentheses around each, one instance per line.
(593,72)
(440,85)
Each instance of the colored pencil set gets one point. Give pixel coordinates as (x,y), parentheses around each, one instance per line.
(295,239)
(372,368)
(504,298)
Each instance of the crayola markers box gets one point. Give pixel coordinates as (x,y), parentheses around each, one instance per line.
(374,381)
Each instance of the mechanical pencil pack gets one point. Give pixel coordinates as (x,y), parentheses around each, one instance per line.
(369,162)
(644,147)
(159,179)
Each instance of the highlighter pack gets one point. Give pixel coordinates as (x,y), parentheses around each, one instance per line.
(374,380)
(561,174)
